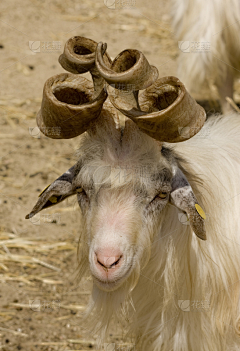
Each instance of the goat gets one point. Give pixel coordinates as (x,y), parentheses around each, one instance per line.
(132,189)
(211,30)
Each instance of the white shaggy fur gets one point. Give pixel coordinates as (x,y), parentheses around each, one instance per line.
(179,265)
(216,22)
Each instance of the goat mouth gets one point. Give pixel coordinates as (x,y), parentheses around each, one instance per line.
(110,285)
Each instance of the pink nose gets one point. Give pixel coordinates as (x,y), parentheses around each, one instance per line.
(108,258)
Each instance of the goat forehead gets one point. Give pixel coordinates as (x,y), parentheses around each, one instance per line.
(117,185)
(132,158)
(108,160)
(108,141)
(113,206)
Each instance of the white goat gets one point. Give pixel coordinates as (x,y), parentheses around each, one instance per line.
(149,269)
(208,31)
(165,263)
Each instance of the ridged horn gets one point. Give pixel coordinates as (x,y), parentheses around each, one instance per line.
(68,106)
(129,69)
(79,57)
(165,111)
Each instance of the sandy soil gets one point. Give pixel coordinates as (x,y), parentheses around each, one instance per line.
(40,303)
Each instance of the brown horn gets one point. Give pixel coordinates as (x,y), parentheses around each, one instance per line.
(79,57)
(129,68)
(69,102)
(165,111)
(68,106)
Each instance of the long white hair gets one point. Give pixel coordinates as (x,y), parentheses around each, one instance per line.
(186,272)
(186,297)
(215,25)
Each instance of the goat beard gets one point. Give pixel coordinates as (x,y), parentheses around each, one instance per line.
(114,305)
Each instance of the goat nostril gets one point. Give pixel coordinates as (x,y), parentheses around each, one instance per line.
(116,262)
(108,262)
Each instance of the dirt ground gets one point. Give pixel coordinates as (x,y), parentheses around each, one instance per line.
(41,305)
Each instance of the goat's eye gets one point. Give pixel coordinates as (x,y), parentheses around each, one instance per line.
(162,195)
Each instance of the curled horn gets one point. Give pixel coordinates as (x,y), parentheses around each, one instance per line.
(71,102)
(165,110)
(79,57)
(130,67)
(68,106)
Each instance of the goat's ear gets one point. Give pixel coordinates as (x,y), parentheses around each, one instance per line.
(182,196)
(56,192)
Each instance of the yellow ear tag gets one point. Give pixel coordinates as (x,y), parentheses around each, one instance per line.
(44,190)
(200,211)
(53,199)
